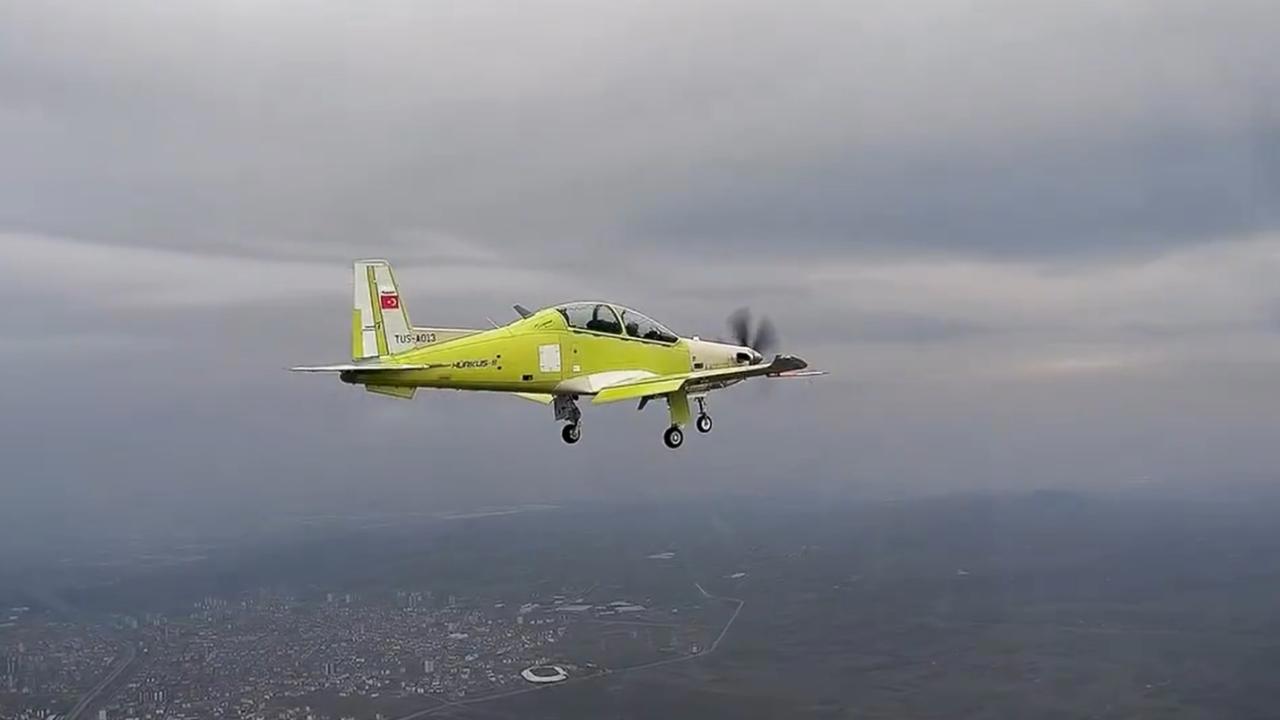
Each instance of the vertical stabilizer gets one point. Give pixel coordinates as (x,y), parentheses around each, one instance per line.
(379,321)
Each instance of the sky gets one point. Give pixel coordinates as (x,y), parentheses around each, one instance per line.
(1035,244)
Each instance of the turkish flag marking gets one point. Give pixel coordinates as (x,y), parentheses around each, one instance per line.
(390,301)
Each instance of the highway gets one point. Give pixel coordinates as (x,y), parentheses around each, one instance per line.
(117,668)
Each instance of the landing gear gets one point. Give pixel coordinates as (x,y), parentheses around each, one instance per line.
(566,408)
(571,433)
(704,420)
(673,437)
(678,404)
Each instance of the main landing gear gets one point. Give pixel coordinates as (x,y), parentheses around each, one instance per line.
(678,404)
(566,409)
(673,437)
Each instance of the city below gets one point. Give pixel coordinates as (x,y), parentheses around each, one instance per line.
(1151,602)
(340,655)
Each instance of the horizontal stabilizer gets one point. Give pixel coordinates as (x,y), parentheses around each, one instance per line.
(405,393)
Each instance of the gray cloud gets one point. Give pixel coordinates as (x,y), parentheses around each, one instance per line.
(942,128)
(1036,244)
(1136,193)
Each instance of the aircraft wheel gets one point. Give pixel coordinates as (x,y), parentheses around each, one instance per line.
(704,423)
(673,437)
(571,433)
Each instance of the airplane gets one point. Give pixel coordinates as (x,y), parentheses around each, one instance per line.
(555,356)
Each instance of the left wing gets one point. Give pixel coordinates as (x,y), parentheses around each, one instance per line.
(782,366)
(365,367)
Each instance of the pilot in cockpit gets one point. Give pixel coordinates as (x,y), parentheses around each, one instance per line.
(603,320)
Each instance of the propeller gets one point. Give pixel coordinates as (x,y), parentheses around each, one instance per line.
(765,337)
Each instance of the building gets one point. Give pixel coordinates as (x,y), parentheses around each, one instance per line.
(544,674)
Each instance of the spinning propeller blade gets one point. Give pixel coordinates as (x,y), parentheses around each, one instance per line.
(765,338)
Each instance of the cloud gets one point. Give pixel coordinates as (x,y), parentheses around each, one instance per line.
(1221,285)
(152,279)
(1007,129)
(1058,196)
(1029,240)
(1190,302)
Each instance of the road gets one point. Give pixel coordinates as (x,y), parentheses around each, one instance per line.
(118,667)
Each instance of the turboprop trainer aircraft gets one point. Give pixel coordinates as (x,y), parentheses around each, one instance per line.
(555,356)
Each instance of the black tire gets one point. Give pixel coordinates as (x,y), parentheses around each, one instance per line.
(673,437)
(703,423)
(571,433)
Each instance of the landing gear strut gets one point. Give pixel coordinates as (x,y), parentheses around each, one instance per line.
(678,405)
(566,408)
(703,423)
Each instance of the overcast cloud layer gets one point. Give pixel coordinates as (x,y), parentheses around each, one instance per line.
(1035,243)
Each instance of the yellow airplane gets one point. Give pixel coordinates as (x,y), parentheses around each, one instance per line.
(553,356)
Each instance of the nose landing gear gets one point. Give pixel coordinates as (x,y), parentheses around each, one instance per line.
(703,422)
(566,408)
(571,433)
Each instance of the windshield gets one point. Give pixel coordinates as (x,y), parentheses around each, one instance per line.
(645,328)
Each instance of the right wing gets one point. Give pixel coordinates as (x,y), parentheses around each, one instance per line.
(544,398)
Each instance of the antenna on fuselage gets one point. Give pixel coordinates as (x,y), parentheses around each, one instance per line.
(522,310)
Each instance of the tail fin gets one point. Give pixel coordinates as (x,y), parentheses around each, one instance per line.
(379,321)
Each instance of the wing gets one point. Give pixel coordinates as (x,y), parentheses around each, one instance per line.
(782,366)
(544,398)
(361,367)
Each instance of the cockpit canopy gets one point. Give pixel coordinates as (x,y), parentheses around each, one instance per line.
(614,320)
